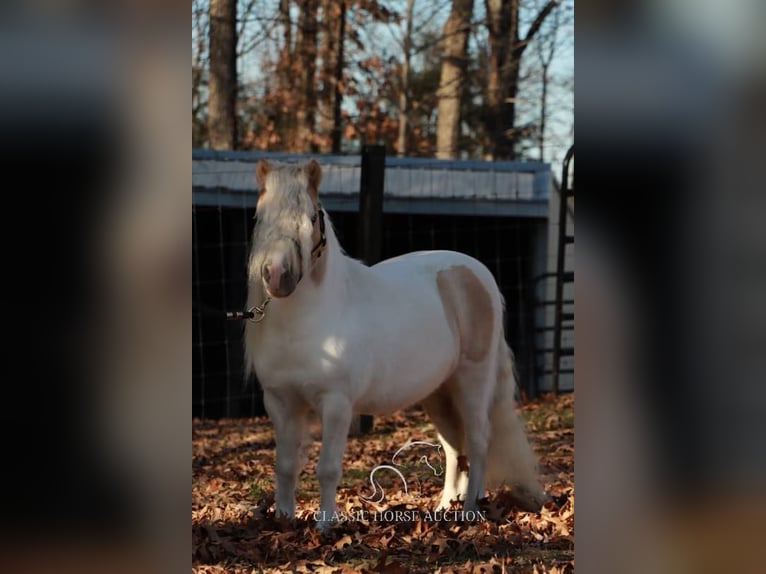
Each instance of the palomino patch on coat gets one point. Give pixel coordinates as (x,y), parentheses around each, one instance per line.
(469,309)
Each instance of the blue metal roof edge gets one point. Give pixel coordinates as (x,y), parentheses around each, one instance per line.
(355,160)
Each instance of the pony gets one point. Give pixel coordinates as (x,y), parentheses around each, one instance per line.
(336,337)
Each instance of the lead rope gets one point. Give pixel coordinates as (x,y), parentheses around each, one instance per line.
(256,313)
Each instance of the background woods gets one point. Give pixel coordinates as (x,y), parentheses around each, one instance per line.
(489,79)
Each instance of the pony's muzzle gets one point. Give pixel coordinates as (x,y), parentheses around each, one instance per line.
(278,280)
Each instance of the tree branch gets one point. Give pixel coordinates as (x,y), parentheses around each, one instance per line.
(537,23)
(248,9)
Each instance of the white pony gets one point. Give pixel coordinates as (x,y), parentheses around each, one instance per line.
(341,338)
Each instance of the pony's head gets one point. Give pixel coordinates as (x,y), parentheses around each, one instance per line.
(289,235)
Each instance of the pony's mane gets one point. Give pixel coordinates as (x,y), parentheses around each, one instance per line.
(286,175)
(286,186)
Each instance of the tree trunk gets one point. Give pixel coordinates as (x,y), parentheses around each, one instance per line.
(199,126)
(222,87)
(502,27)
(547,45)
(334,21)
(286,122)
(329,54)
(307,54)
(543,113)
(506,50)
(337,128)
(287,27)
(452,79)
(404,91)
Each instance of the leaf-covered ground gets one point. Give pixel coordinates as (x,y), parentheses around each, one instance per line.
(234,528)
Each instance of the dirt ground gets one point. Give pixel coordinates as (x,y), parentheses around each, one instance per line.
(234,528)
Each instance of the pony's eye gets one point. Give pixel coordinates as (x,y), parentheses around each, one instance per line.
(314,218)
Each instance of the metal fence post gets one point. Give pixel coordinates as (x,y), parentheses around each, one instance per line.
(370,226)
(561,276)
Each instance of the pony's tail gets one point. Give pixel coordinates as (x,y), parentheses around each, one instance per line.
(510,458)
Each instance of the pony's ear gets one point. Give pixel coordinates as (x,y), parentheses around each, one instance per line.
(314,174)
(262,169)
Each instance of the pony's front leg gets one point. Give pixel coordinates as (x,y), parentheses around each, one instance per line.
(336,412)
(290,424)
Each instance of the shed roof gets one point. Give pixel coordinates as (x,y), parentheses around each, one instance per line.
(412,185)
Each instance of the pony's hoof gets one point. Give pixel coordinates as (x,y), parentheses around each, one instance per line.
(530,501)
(470,507)
(325,526)
(284,515)
(325,521)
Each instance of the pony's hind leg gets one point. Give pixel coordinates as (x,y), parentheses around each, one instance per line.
(449,424)
(290,419)
(473,395)
(454,477)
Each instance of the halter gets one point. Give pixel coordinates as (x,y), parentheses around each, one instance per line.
(257,313)
(316,251)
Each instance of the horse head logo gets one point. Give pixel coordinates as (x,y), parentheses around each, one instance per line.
(396,467)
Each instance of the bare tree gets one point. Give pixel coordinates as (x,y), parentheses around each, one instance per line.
(251,37)
(222,85)
(452,80)
(307,62)
(318,72)
(404,94)
(333,39)
(548,41)
(287,26)
(507,47)
(337,128)
(199,75)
